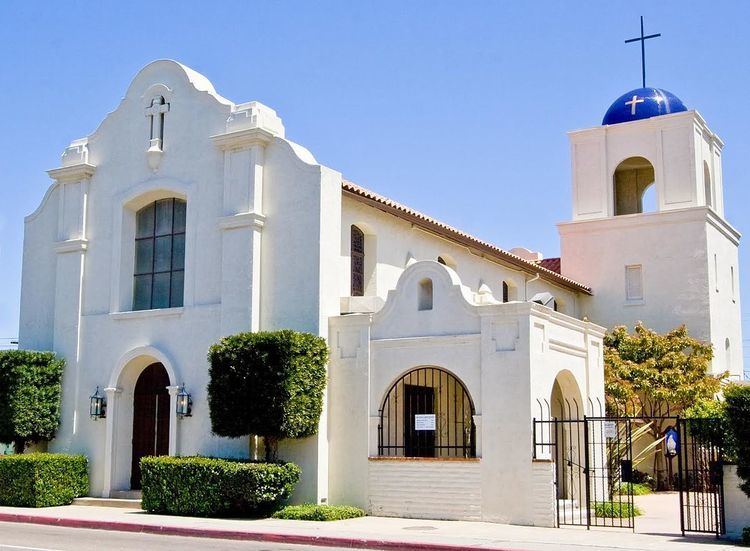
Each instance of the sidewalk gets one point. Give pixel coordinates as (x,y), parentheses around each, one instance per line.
(362,533)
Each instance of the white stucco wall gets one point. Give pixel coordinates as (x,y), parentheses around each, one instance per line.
(675,250)
(394,241)
(736,503)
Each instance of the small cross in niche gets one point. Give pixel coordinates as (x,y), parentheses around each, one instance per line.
(156,114)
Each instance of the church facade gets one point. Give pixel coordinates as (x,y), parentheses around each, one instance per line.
(186,217)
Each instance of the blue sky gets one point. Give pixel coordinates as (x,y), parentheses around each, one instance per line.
(457,109)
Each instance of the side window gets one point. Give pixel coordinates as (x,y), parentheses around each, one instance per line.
(159,255)
(633,283)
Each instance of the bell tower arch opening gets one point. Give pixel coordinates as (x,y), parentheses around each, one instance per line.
(634,187)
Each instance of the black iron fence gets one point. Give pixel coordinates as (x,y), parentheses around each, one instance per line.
(594,470)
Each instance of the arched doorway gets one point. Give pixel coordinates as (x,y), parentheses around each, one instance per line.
(150,418)
(567,407)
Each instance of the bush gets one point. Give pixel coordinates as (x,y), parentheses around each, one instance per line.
(634,488)
(30,389)
(311,511)
(615,509)
(746,536)
(737,420)
(207,487)
(269,384)
(42,479)
(643,478)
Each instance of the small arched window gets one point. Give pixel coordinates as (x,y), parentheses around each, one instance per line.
(425,294)
(159,255)
(506,292)
(707,185)
(358,262)
(447,260)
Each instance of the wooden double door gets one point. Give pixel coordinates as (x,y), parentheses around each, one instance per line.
(150,418)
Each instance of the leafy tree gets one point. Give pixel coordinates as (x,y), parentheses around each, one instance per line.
(268,384)
(30,391)
(650,375)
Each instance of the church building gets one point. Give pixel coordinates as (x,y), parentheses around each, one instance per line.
(185,217)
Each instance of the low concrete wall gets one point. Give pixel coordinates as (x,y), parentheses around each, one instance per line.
(543,473)
(736,503)
(425,488)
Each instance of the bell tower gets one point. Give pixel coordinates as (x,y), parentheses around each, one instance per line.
(648,231)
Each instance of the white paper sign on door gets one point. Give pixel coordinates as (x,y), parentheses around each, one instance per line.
(424,421)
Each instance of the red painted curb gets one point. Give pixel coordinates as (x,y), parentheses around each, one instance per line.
(323,541)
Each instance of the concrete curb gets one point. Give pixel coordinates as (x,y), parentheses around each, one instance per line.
(270,537)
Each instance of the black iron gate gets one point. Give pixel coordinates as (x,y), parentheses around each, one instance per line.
(701,476)
(594,471)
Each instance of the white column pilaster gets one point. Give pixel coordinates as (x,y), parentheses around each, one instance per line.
(173,390)
(113,395)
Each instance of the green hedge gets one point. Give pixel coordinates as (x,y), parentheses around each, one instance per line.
(207,487)
(311,511)
(737,419)
(42,479)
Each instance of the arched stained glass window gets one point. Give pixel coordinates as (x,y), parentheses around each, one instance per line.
(358,261)
(159,255)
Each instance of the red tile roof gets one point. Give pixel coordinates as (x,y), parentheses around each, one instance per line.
(489,250)
(551,264)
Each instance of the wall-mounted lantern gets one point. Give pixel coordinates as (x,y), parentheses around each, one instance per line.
(98,405)
(184,403)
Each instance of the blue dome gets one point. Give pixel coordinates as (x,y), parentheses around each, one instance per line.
(643,103)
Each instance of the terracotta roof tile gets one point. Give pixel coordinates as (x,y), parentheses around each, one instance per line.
(551,264)
(392,207)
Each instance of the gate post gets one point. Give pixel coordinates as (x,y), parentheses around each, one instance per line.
(586,470)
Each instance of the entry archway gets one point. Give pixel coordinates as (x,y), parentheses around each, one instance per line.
(141,371)
(566,406)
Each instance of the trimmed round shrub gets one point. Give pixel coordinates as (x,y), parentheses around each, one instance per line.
(311,511)
(268,384)
(208,487)
(30,391)
(42,479)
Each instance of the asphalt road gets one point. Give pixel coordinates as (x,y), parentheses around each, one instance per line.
(32,537)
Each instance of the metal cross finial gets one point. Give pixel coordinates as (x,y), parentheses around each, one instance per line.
(642,39)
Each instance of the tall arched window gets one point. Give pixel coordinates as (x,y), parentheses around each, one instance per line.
(632,178)
(159,255)
(358,261)
(427,413)
(506,292)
